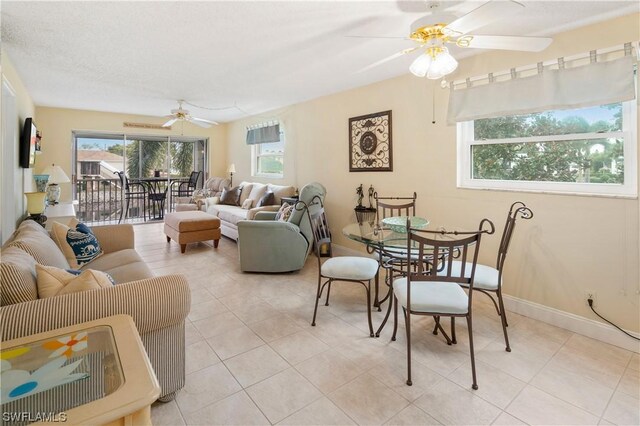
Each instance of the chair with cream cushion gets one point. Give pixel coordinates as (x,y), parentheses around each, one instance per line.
(488,279)
(354,269)
(425,291)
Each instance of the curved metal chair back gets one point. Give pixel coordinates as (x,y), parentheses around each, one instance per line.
(406,206)
(320,230)
(193,180)
(517,209)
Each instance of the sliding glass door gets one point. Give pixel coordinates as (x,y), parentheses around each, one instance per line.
(97,158)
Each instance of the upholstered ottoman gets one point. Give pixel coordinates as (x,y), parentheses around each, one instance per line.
(191,227)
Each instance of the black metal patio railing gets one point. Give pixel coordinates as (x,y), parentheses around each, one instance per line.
(100,202)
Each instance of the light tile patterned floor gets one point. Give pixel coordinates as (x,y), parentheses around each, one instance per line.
(253,358)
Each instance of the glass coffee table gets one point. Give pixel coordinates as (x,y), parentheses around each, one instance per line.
(92,373)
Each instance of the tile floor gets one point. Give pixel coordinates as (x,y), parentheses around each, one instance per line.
(253,358)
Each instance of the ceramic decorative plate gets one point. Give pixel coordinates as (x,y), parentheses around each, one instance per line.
(399,223)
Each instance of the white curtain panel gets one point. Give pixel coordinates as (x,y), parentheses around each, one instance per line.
(597,83)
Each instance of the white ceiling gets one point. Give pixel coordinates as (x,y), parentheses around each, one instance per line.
(140,57)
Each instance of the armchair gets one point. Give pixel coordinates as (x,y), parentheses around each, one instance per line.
(269,245)
(211,188)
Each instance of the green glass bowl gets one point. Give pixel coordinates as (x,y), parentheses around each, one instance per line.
(399,223)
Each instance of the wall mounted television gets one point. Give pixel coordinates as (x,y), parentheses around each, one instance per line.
(28,140)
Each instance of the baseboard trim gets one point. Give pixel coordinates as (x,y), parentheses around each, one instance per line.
(572,322)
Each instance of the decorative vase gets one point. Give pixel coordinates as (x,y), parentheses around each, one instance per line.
(53,193)
(41,182)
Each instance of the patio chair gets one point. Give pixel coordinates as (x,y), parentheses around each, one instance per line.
(135,191)
(184,188)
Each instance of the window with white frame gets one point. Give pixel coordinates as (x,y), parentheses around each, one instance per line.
(588,150)
(268,158)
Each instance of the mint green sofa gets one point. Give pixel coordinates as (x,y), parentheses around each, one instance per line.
(269,245)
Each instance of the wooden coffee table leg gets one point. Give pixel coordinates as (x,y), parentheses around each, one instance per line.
(168,239)
(215,243)
(183,247)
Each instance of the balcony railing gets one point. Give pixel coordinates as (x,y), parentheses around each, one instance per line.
(100,202)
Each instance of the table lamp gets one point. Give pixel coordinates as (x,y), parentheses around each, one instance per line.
(36,206)
(231,171)
(56,177)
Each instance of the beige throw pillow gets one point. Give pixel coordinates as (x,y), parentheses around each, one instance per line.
(54,281)
(248,203)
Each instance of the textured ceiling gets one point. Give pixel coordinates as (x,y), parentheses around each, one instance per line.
(140,57)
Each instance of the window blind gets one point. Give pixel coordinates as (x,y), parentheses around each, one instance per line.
(263,134)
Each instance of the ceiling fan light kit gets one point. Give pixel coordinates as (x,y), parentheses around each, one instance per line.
(436,62)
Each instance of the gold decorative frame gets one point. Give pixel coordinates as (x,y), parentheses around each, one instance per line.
(370,148)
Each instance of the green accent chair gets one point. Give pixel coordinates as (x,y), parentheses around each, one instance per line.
(269,245)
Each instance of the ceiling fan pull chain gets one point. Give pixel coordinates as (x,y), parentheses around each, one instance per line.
(468,81)
(491,77)
(627,49)
(540,67)
(514,74)
(593,56)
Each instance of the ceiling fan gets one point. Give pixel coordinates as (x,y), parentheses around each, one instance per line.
(436,61)
(181,114)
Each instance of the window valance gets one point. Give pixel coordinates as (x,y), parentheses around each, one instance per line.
(266,133)
(597,83)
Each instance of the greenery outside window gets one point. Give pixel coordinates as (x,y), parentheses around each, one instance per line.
(268,159)
(586,151)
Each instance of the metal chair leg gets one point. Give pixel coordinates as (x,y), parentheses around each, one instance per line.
(435,327)
(473,358)
(369,308)
(386,317)
(326,303)
(377,301)
(395,317)
(407,323)
(453,330)
(503,319)
(318,294)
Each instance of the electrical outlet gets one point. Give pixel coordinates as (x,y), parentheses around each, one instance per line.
(590,294)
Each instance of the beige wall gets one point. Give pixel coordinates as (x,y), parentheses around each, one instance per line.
(57,125)
(574,243)
(21,107)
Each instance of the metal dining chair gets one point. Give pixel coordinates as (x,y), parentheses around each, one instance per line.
(426,291)
(488,280)
(355,269)
(391,259)
(132,191)
(184,188)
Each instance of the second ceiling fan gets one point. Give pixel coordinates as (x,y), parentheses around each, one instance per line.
(181,114)
(436,61)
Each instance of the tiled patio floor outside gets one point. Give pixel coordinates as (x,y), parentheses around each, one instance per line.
(253,357)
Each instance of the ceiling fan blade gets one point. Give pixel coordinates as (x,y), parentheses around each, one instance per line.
(202,120)
(379,37)
(527,44)
(482,16)
(170,122)
(198,122)
(388,58)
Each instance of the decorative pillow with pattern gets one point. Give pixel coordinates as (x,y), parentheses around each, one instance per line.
(284,212)
(79,245)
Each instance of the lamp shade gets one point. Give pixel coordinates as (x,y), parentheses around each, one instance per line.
(35,202)
(421,65)
(56,174)
(442,65)
(232,168)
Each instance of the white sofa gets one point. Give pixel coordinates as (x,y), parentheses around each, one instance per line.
(230,215)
